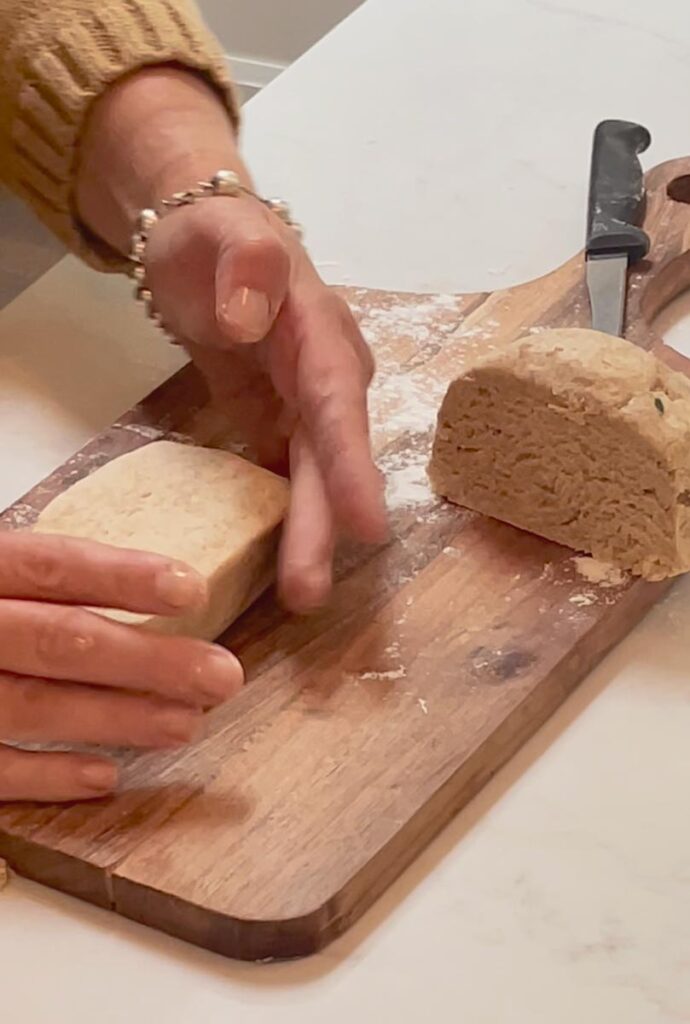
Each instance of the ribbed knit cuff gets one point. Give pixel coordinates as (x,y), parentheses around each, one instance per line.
(59,83)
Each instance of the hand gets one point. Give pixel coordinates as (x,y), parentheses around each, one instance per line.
(237,286)
(71,675)
(284,352)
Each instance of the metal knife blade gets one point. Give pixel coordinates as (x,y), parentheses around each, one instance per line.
(607,279)
(616,208)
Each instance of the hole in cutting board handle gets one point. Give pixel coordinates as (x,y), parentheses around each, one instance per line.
(673,323)
(679,189)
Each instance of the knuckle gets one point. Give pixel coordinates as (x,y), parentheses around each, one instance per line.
(341,307)
(13,774)
(328,416)
(62,636)
(345,319)
(333,307)
(24,709)
(7,774)
(260,245)
(325,382)
(40,567)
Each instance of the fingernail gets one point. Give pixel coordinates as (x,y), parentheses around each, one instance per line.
(179,726)
(99,775)
(179,586)
(247,313)
(220,675)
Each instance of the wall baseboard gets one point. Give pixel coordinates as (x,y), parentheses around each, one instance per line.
(254,73)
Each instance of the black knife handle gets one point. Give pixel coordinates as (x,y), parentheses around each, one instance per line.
(616,205)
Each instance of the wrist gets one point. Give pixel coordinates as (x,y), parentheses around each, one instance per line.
(150,135)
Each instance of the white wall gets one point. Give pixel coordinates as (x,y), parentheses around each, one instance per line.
(276,31)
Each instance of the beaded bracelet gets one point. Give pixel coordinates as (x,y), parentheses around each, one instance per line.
(223,183)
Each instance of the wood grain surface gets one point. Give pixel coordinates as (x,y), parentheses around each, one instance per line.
(365,728)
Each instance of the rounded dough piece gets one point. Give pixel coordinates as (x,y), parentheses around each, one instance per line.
(577,436)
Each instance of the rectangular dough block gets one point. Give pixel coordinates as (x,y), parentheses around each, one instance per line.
(208,508)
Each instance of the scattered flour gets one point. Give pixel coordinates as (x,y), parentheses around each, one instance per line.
(393,673)
(404,401)
(412,320)
(407,483)
(582,600)
(21,515)
(144,430)
(601,573)
(476,332)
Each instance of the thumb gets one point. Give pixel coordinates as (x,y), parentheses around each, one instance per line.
(252,276)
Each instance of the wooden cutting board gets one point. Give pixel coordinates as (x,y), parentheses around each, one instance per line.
(364,729)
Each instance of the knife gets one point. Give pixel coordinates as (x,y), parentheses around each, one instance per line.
(616,208)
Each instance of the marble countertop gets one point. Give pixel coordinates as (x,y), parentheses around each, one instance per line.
(434,145)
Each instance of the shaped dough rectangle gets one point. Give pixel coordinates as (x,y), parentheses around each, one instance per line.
(208,508)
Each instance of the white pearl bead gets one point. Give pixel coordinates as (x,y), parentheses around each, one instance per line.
(146,220)
(139,273)
(142,294)
(280,208)
(225,183)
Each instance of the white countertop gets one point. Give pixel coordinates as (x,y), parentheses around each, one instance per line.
(440,145)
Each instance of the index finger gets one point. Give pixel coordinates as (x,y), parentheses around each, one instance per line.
(50,567)
(47,641)
(332,382)
(306,550)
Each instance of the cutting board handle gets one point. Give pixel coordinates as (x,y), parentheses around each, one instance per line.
(665,273)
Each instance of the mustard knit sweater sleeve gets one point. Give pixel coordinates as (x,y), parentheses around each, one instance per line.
(57,57)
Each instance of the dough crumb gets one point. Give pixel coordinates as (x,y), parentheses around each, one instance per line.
(602,573)
(4,874)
